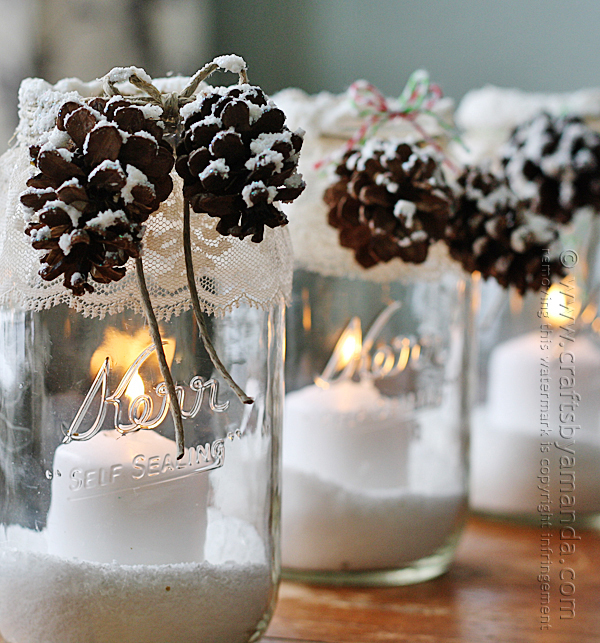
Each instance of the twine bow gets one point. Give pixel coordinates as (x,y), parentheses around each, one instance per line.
(171,102)
(418,97)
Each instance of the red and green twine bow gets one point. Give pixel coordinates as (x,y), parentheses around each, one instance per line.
(419,97)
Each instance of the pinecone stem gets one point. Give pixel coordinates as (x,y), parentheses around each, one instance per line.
(208,345)
(204,73)
(162,360)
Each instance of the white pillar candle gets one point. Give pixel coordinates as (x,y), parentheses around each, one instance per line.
(519,370)
(347,433)
(127,499)
(524,397)
(505,466)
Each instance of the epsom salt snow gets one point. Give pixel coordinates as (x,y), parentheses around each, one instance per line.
(45,598)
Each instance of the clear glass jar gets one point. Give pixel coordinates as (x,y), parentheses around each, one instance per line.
(375,428)
(527,464)
(104,534)
(536,422)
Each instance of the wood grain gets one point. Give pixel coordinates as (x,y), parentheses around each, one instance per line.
(491,595)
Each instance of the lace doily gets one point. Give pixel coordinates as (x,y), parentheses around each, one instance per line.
(229,271)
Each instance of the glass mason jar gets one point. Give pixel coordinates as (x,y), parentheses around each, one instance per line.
(105,535)
(375,428)
(536,420)
(377,390)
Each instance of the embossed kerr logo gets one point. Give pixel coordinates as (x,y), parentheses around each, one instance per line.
(139,411)
(420,360)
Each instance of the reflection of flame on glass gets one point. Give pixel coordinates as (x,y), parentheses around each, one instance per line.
(416,353)
(561,306)
(405,354)
(123,349)
(345,356)
(476,290)
(306,311)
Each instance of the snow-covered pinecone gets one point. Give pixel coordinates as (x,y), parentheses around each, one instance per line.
(492,232)
(237,158)
(389,200)
(102,171)
(554,162)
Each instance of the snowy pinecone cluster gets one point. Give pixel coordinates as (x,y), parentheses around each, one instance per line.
(388,199)
(553,162)
(102,171)
(493,232)
(237,159)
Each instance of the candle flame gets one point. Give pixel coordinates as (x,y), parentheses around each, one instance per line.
(135,387)
(349,349)
(123,349)
(346,354)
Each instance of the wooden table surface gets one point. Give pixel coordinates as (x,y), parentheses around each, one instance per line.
(491,595)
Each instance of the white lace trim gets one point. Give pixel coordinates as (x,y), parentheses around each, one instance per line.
(229,271)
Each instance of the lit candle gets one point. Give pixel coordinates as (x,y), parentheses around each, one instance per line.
(344,430)
(121,495)
(520,366)
(520,369)
(524,397)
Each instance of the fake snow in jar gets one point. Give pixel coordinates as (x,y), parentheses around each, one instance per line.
(141,385)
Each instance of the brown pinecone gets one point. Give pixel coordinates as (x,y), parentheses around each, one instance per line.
(102,172)
(390,200)
(554,162)
(237,158)
(493,232)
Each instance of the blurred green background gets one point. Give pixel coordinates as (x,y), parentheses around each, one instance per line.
(537,45)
